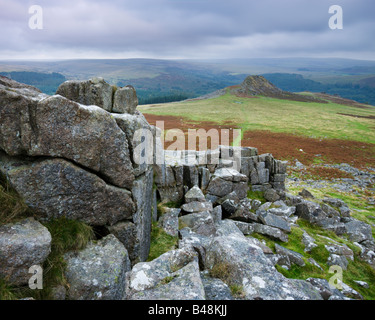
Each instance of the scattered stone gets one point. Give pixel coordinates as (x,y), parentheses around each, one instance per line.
(261,281)
(306,194)
(363,284)
(272,220)
(98,272)
(308,241)
(359,231)
(325,289)
(201,223)
(194,194)
(125,100)
(271,195)
(169,221)
(22,245)
(270,231)
(196,206)
(293,256)
(215,289)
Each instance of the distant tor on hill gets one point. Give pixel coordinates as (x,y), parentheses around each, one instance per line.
(259,86)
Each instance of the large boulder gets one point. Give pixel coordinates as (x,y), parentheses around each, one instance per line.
(98,272)
(22,245)
(91,92)
(56,187)
(125,100)
(57,127)
(173,275)
(251,270)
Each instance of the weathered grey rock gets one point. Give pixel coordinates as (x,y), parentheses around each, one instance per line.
(308,241)
(147,275)
(306,194)
(201,223)
(22,245)
(271,195)
(281,209)
(310,211)
(270,231)
(261,280)
(350,292)
(261,244)
(341,250)
(169,221)
(91,92)
(325,289)
(98,271)
(228,227)
(244,215)
(329,210)
(196,206)
(58,127)
(125,100)
(293,256)
(217,214)
(190,240)
(194,194)
(246,228)
(363,284)
(139,135)
(219,187)
(204,177)
(229,174)
(142,217)
(191,175)
(59,293)
(272,220)
(229,206)
(359,231)
(184,284)
(126,232)
(55,187)
(280,260)
(336,260)
(215,289)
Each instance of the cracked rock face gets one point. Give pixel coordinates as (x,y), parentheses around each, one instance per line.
(55,187)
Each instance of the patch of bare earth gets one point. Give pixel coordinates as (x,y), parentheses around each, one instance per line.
(285,146)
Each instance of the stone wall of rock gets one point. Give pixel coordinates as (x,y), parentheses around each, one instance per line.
(184,169)
(68,156)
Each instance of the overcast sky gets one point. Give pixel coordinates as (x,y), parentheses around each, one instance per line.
(186,29)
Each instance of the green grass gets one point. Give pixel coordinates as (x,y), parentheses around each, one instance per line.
(161,242)
(12,206)
(256,195)
(67,235)
(309,119)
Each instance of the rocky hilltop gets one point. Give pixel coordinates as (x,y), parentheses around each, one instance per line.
(260,86)
(72,157)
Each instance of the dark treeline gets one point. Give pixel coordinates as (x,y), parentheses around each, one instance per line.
(46,82)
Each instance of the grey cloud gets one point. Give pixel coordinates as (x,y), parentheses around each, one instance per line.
(190,27)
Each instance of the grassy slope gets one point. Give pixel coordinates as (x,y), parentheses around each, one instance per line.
(309,119)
